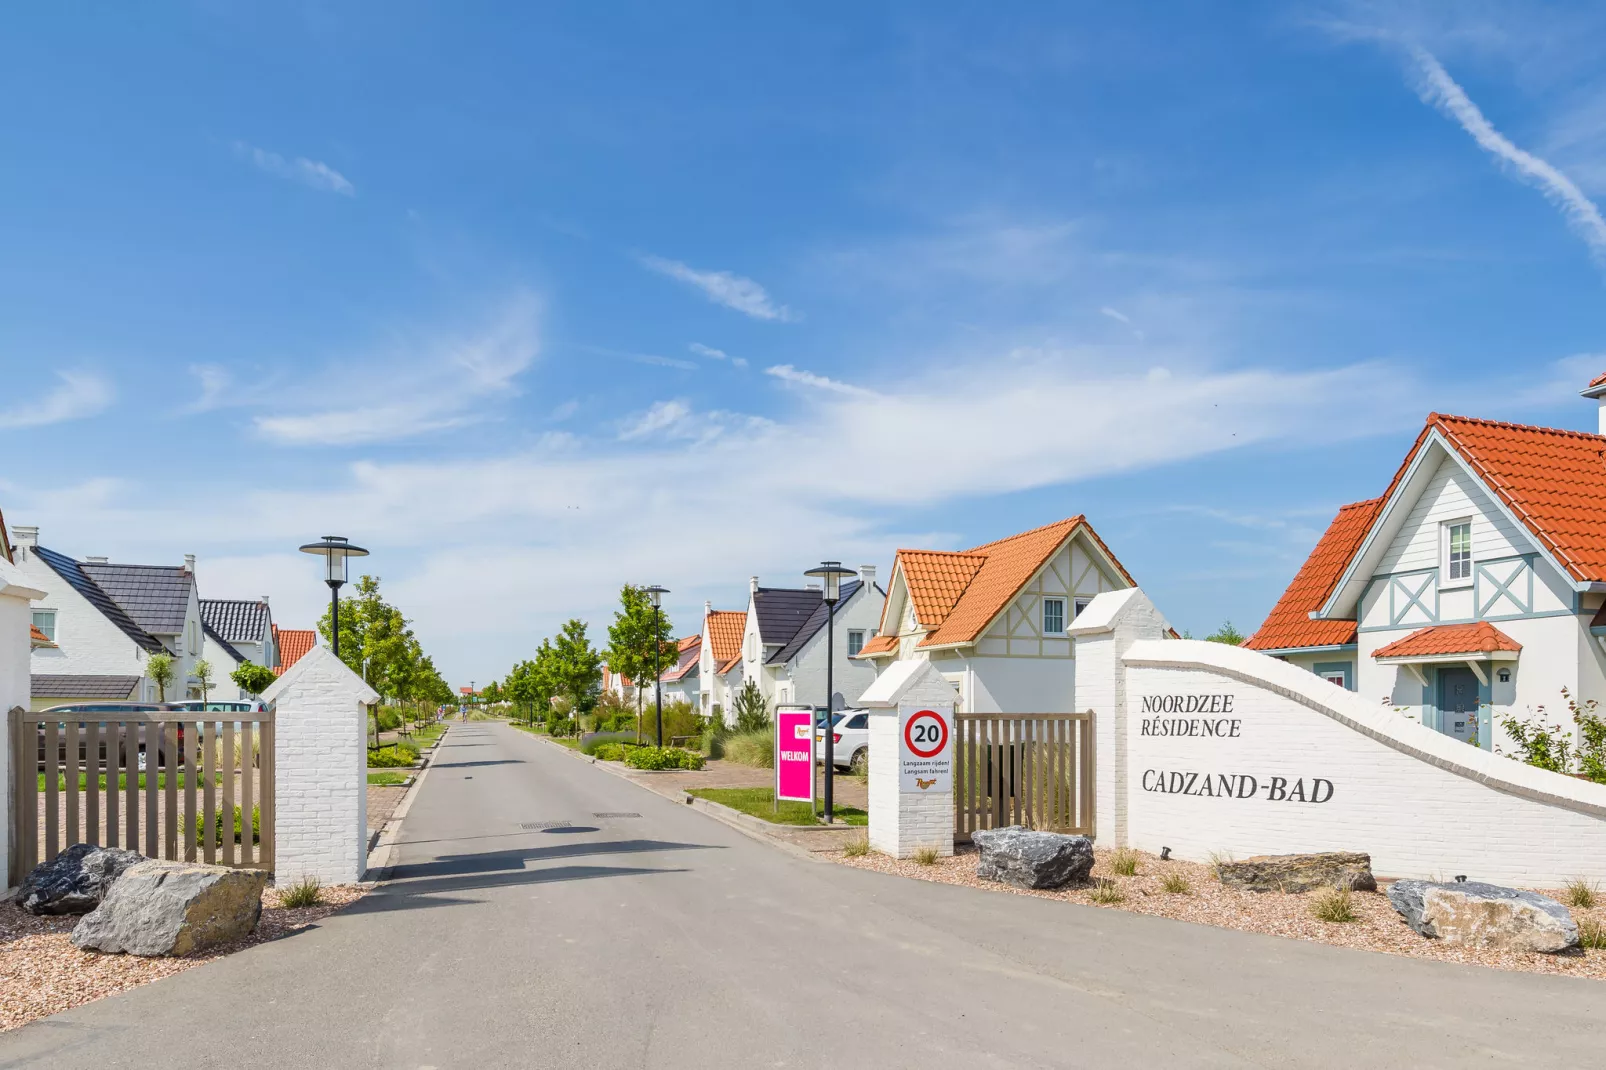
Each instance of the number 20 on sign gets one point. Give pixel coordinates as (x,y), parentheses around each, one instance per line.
(925,751)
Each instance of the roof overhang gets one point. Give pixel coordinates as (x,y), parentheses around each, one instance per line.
(1346,595)
(1339,648)
(1450,659)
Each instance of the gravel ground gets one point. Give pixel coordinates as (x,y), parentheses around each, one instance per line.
(1378,926)
(42,973)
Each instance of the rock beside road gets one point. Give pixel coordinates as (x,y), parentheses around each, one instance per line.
(75,881)
(1027,859)
(173,908)
(1473,914)
(1348,870)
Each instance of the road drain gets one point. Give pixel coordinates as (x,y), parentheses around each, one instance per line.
(619,814)
(536,826)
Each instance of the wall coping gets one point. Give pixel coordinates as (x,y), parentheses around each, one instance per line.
(322,659)
(1372,719)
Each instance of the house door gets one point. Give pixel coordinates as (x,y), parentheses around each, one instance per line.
(1458,703)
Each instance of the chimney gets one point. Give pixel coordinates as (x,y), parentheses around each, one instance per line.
(752,585)
(95,560)
(708,607)
(867,575)
(1596,389)
(25,535)
(189,564)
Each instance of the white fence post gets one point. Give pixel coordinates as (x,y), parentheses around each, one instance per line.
(909,812)
(320,779)
(15,652)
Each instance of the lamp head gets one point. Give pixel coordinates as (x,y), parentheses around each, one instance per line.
(334,549)
(831,573)
(656,593)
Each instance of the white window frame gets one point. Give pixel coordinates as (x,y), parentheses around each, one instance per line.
(1337,677)
(50,614)
(855,633)
(1060,603)
(1079,606)
(1446,565)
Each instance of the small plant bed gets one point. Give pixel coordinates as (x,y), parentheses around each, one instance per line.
(389,778)
(122,781)
(760,803)
(394,756)
(1188,891)
(41,973)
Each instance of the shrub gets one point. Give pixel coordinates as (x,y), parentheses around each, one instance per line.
(755,748)
(217,823)
(610,752)
(713,741)
(1592,934)
(1333,904)
(1580,893)
(1545,746)
(752,708)
(1175,884)
(856,848)
(1124,862)
(680,720)
(403,752)
(662,758)
(925,856)
(557,725)
(305,892)
(389,717)
(1106,891)
(590,743)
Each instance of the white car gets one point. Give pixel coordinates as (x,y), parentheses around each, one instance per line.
(850,741)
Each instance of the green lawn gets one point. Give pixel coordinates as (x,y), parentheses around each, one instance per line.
(760,803)
(122,781)
(387,778)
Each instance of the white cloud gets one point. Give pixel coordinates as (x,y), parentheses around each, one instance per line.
(716,354)
(433,384)
(314,173)
(80,394)
(661,416)
(214,381)
(723,288)
(1437,88)
(789,374)
(1115,314)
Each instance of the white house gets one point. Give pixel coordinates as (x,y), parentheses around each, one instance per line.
(1472,590)
(993,619)
(680,682)
(235,631)
(784,641)
(719,660)
(100,622)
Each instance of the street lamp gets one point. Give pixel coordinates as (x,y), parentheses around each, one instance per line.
(334,549)
(831,572)
(656,593)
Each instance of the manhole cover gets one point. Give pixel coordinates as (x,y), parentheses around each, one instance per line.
(618,814)
(536,826)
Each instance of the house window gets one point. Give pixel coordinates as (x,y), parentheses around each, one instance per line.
(752,648)
(1080,604)
(855,642)
(45,621)
(1458,552)
(1053,616)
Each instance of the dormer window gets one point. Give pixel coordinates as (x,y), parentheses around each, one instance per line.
(1457,553)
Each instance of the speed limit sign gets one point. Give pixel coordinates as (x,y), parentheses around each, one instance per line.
(925,753)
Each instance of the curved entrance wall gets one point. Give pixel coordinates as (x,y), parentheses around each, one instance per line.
(1232,751)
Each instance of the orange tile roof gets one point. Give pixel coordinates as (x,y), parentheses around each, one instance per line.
(1289,625)
(936,580)
(37,637)
(292,644)
(878,644)
(725,628)
(1445,639)
(729,664)
(685,659)
(1599,380)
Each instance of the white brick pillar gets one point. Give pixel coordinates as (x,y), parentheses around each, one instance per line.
(320,770)
(1102,633)
(904,816)
(15,653)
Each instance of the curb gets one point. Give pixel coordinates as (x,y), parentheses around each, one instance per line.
(382,848)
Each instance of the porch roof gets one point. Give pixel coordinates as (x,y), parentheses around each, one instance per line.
(1444,642)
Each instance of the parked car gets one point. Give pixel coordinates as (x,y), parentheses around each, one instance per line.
(850,741)
(103,713)
(215,706)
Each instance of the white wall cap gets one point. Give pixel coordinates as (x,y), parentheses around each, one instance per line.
(326,673)
(13,584)
(916,680)
(1374,719)
(1111,608)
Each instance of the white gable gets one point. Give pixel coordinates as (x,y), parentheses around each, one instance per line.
(1452,493)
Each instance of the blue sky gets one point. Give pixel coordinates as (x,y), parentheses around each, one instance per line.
(533,301)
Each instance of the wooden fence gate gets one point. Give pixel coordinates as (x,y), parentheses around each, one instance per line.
(185,790)
(1033,769)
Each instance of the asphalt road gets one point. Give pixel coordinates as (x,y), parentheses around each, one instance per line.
(670,940)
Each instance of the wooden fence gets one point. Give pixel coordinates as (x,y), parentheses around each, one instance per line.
(1033,769)
(165,788)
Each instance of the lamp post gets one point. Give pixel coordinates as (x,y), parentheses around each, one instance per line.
(831,573)
(334,549)
(656,593)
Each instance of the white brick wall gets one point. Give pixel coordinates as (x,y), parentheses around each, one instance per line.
(15,616)
(900,822)
(320,770)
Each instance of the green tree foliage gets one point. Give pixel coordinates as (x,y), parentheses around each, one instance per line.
(632,651)
(752,708)
(159,667)
(575,670)
(1226,634)
(203,676)
(374,631)
(491,692)
(252,678)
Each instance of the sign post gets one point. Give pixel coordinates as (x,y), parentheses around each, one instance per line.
(794,755)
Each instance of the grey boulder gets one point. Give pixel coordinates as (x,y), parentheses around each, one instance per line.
(75,881)
(1473,914)
(1349,870)
(1027,859)
(173,908)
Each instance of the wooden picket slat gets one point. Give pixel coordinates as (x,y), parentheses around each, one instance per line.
(209,763)
(52,771)
(228,797)
(106,754)
(70,774)
(268,763)
(1033,769)
(130,749)
(192,742)
(152,732)
(247,772)
(170,729)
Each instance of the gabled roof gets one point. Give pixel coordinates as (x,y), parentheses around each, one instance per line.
(235,620)
(936,579)
(729,664)
(80,685)
(1289,626)
(725,627)
(37,638)
(878,644)
(228,648)
(815,623)
(690,653)
(157,597)
(80,581)
(292,644)
(781,611)
(1443,640)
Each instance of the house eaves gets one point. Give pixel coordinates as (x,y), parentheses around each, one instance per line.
(75,577)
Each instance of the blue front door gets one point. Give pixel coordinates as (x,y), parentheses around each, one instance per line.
(1458,704)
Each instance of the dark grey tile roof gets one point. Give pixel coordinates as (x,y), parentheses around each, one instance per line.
(235,620)
(782,611)
(222,642)
(815,621)
(78,580)
(78,685)
(156,596)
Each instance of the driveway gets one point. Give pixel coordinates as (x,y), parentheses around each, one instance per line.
(644,934)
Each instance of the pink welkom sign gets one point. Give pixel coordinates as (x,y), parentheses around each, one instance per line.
(794,755)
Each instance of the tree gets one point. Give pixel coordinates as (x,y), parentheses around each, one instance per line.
(159,667)
(1226,634)
(252,678)
(631,649)
(203,673)
(491,692)
(575,667)
(752,708)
